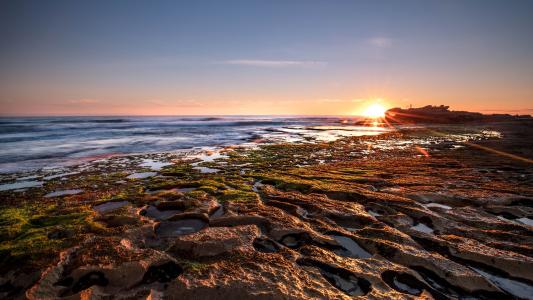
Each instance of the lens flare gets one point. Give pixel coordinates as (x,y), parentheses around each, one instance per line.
(374,111)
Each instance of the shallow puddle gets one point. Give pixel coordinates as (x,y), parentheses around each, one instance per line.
(181,190)
(352,249)
(422,228)
(110,206)
(163,273)
(209,156)
(26,178)
(63,193)
(302,212)
(295,240)
(257,186)
(342,279)
(374,213)
(154,213)
(219,212)
(265,245)
(437,205)
(88,280)
(180,227)
(349,285)
(20,185)
(513,219)
(437,283)
(206,170)
(516,288)
(403,282)
(154,165)
(50,177)
(141,175)
(526,221)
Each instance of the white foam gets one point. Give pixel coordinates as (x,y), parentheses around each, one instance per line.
(154,165)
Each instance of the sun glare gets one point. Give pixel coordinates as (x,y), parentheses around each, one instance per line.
(374,111)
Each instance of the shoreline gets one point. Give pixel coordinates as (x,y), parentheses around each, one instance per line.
(60,141)
(359,210)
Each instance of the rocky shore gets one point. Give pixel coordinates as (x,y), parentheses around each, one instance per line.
(439,212)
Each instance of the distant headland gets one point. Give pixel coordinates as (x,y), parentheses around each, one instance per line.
(442,115)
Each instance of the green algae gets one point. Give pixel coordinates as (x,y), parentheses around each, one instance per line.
(183,170)
(38,231)
(238,196)
(209,189)
(192,266)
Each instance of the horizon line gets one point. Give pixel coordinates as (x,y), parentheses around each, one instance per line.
(177,115)
(492,112)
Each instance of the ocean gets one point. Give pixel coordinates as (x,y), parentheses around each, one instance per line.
(29,143)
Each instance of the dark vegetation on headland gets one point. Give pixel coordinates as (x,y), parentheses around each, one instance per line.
(411,213)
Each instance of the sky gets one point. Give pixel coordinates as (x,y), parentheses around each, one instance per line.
(263,57)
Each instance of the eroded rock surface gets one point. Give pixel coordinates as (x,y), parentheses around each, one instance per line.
(340,220)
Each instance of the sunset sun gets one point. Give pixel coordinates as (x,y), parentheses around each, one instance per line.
(374,111)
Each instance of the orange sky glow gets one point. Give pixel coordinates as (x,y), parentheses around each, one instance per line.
(263,57)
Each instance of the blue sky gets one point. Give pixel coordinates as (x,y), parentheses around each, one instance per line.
(263,57)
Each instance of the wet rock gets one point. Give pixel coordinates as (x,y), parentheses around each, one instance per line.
(8,290)
(239,220)
(215,241)
(88,280)
(445,288)
(351,248)
(514,264)
(218,212)
(141,175)
(117,220)
(63,193)
(421,227)
(99,267)
(403,282)
(516,288)
(290,208)
(110,206)
(265,245)
(190,215)
(180,227)
(295,240)
(60,234)
(361,240)
(162,273)
(157,214)
(340,278)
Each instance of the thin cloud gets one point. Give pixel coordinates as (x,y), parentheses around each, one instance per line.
(337,100)
(380,42)
(327,100)
(274,63)
(84,101)
(175,103)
